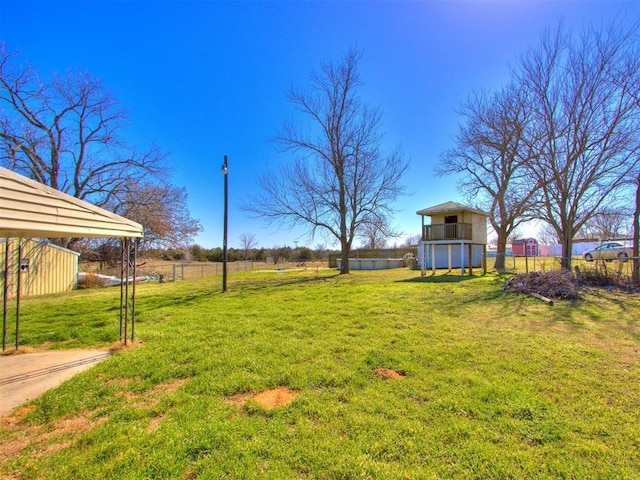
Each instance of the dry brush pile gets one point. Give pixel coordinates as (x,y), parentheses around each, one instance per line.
(553,284)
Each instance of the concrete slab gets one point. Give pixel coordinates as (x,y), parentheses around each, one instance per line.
(24,377)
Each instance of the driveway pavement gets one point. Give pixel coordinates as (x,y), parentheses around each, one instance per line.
(24,377)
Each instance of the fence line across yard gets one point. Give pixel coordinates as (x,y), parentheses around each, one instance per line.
(172,272)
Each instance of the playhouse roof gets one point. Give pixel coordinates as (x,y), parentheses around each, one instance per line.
(32,209)
(449,207)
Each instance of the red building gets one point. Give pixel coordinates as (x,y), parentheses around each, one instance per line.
(525,247)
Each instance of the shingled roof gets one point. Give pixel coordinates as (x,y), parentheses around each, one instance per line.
(449,207)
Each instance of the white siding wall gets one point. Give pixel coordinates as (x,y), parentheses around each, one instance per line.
(442,255)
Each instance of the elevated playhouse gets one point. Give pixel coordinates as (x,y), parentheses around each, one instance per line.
(454,238)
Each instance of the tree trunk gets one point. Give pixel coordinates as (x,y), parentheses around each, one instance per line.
(636,236)
(344,255)
(501,252)
(567,242)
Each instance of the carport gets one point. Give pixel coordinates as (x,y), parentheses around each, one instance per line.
(29,209)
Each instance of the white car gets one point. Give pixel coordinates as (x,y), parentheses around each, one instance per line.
(608,251)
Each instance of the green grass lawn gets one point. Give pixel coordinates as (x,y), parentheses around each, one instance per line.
(495,385)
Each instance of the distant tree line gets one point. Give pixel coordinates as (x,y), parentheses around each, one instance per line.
(109,254)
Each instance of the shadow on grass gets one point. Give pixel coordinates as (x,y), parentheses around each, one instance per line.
(438,279)
(252,285)
(293,281)
(314,278)
(149,303)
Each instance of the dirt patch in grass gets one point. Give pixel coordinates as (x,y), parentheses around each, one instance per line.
(18,351)
(387,373)
(43,439)
(268,399)
(120,346)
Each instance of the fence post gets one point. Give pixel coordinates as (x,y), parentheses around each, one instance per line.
(174,272)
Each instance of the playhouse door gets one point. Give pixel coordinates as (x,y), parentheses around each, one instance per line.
(451,226)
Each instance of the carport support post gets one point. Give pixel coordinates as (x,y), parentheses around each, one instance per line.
(18,292)
(133,288)
(7,251)
(122,295)
(127,293)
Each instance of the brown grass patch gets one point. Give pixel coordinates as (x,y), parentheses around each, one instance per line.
(17,416)
(268,399)
(118,346)
(147,398)
(239,399)
(18,351)
(155,423)
(387,373)
(44,440)
(275,397)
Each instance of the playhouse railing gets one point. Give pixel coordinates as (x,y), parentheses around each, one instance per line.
(447,231)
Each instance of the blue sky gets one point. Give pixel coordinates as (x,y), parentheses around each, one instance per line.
(202,79)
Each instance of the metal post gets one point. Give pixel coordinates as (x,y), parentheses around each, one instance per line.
(133,287)
(122,292)
(125,283)
(7,250)
(18,291)
(225,172)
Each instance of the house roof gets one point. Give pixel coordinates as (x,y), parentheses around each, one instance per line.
(32,209)
(449,207)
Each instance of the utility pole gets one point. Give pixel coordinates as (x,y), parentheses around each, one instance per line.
(225,172)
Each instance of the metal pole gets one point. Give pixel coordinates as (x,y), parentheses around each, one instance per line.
(133,291)
(225,172)
(125,282)
(18,290)
(7,250)
(122,292)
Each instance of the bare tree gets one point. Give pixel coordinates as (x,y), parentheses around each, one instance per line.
(608,224)
(548,235)
(491,152)
(412,241)
(375,233)
(583,95)
(163,212)
(249,242)
(65,133)
(321,251)
(340,177)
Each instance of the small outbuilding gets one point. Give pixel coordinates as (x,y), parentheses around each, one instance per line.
(525,247)
(45,268)
(455,237)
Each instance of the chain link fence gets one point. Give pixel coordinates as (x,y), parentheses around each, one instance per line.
(178,271)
